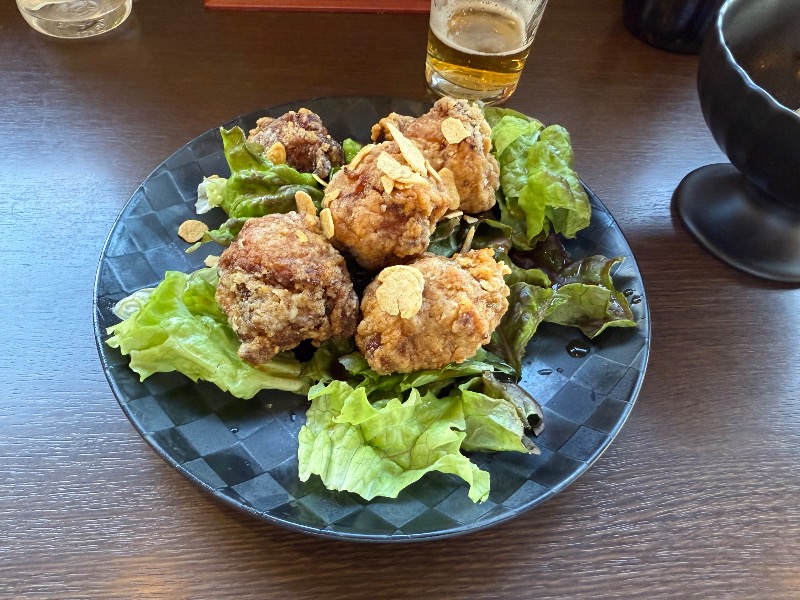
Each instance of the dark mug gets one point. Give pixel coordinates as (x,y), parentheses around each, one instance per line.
(672,25)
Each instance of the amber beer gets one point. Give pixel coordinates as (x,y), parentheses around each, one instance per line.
(477,49)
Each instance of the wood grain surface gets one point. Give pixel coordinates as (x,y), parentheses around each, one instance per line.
(698,495)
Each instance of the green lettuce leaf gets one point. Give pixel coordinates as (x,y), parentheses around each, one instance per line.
(256,186)
(355,446)
(553,189)
(449,235)
(585,297)
(552,288)
(540,187)
(494,114)
(497,415)
(528,306)
(425,380)
(324,365)
(223,235)
(180,327)
(351,147)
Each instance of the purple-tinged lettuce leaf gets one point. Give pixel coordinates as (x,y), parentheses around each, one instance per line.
(585,297)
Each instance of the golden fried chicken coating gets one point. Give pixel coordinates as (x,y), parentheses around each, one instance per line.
(281,282)
(308,146)
(445,317)
(383,210)
(455,135)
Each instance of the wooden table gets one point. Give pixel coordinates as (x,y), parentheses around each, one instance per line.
(699,493)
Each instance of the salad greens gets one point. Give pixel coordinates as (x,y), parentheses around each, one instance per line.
(377,451)
(180,327)
(376,434)
(255,187)
(538,179)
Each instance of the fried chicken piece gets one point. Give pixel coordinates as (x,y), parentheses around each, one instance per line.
(281,282)
(461,302)
(308,146)
(455,135)
(383,211)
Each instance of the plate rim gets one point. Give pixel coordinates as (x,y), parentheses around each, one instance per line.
(355,536)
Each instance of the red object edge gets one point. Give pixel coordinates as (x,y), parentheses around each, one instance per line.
(405,6)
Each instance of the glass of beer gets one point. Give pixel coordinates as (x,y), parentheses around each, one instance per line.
(477,48)
(74,18)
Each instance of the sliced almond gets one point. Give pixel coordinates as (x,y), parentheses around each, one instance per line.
(465,247)
(320,180)
(301,235)
(433,172)
(305,205)
(330,196)
(360,155)
(326,221)
(400,173)
(410,152)
(449,183)
(400,292)
(192,230)
(388,183)
(470,219)
(453,214)
(277,153)
(454,131)
(211,261)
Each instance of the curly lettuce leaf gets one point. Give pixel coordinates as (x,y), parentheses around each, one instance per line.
(586,298)
(449,235)
(553,187)
(256,186)
(497,416)
(494,114)
(180,327)
(426,380)
(371,451)
(540,187)
(528,306)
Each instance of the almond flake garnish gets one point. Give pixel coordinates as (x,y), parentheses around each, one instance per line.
(454,131)
(326,221)
(211,261)
(449,182)
(401,174)
(465,247)
(305,204)
(301,236)
(433,172)
(360,155)
(388,183)
(320,180)
(470,219)
(330,196)
(277,153)
(400,292)
(410,152)
(453,214)
(192,230)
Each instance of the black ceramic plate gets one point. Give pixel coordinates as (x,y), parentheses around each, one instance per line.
(244,452)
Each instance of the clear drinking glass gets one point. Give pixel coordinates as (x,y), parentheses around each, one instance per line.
(74,18)
(477,48)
